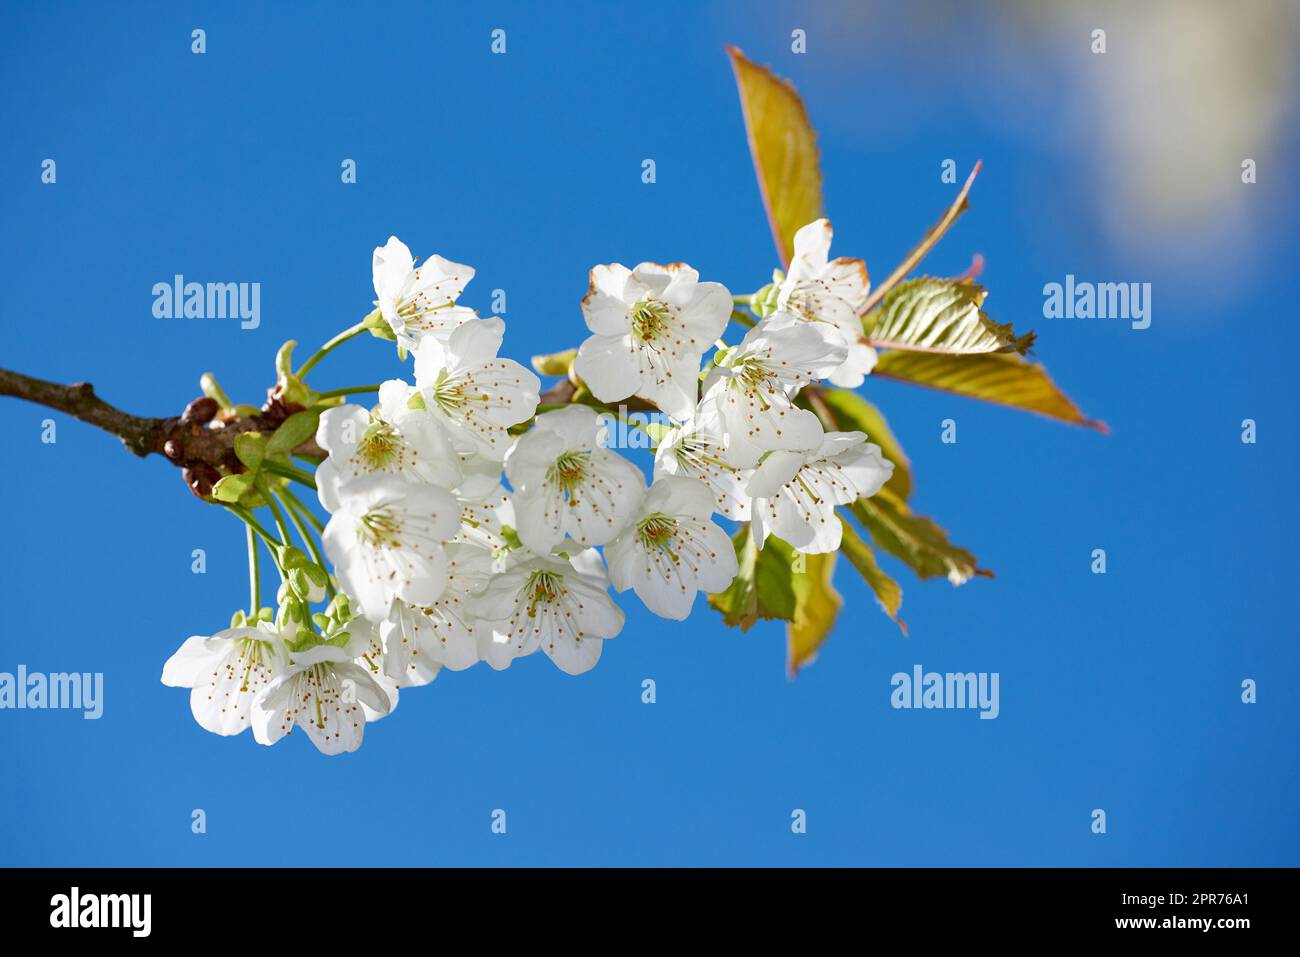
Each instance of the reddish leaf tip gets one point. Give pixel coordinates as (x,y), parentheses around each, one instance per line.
(974,269)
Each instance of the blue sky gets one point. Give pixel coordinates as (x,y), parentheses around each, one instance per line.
(1119,692)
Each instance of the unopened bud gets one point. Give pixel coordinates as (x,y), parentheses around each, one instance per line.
(291,557)
(199,478)
(201,411)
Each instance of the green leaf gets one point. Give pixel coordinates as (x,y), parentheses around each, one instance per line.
(773,579)
(232,487)
(250,448)
(915,539)
(887,591)
(853,413)
(763,587)
(943,316)
(816,605)
(1002,378)
(784,147)
(557,363)
(739,601)
(293,432)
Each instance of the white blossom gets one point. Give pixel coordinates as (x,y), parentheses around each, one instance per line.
(392,438)
(819,289)
(418,302)
(566,484)
(225,672)
(651,325)
(418,640)
(473,393)
(698,449)
(323,692)
(366,641)
(386,541)
(754,384)
(672,549)
(795,493)
(561,607)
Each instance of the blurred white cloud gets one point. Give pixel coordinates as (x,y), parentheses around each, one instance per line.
(1151,134)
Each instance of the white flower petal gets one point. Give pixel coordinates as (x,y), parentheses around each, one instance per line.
(547,604)
(604,308)
(386,541)
(698,449)
(609,367)
(667,554)
(812,247)
(795,495)
(392,263)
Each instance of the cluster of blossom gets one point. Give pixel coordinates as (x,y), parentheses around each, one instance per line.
(441,565)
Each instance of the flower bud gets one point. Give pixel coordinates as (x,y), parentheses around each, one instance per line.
(291,557)
(297,580)
(201,411)
(199,478)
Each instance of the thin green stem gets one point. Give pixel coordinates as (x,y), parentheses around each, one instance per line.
(280,526)
(297,504)
(349,390)
(307,540)
(741,319)
(247,518)
(330,346)
(289,472)
(254,574)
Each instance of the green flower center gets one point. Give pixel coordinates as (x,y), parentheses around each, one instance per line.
(569,471)
(649,321)
(656,531)
(450,393)
(379,528)
(542,588)
(380,447)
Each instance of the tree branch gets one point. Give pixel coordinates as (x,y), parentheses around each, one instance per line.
(200,440)
(78,400)
(927,243)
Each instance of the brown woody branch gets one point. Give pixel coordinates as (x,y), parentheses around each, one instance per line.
(200,440)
